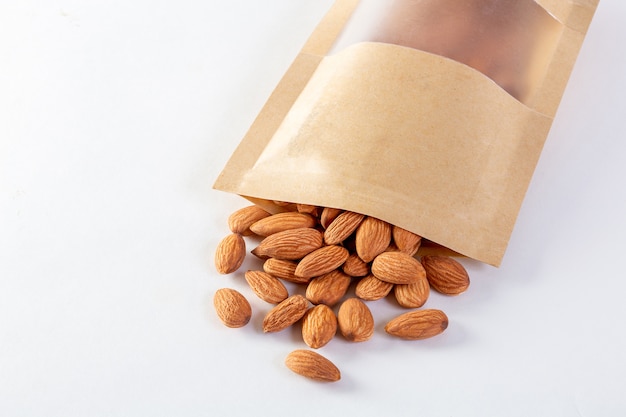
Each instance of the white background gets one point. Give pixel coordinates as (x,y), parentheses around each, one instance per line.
(115,119)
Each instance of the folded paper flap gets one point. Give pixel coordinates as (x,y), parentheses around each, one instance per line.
(426,154)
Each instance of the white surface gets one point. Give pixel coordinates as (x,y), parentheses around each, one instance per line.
(115,119)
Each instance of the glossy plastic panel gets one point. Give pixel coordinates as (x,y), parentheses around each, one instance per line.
(509,41)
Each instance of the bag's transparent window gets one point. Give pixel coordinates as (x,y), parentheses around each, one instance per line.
(509,41)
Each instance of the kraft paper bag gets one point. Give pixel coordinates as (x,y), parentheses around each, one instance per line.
(428,114)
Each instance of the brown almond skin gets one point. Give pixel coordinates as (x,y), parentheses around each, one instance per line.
(328,215)
(282,221)
(322,261)
(397,268)
(312,365)
(319,326)
(290,244)
(232,308)
(412,295)
(230,253)
(258,255)
(266,287)
(307,208)
(328,289)
(355,320)
(355,267)
(418,324)
(343,226)
(372,238)
(405,241)
(285,314)
(241,220)
(283,269)
(445,274)
(371,288)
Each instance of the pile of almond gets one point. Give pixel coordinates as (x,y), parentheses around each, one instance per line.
(327,250)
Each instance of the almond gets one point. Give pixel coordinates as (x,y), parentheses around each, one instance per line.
(290,244)
(230,253)
(267,287)
(355,267)
(397,268)
(371,288)
(285,314)
(412,295)
(328,289)
(355,320)
(407,242)
(372,238)
(319,326)
(240,220)
(328,215)
(282,269)
(343,226)
(445,274)
(312,365)
(282,221)
(261,256)
(418,324)
(322,261)
(307,208)
(232,308)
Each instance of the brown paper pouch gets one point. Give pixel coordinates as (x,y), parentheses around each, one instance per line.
(428,124)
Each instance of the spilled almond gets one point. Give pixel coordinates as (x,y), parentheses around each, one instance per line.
(319,326)
(230,253)
(445,274)
(285,314)
(418,324)
(397,268)
(232,308)
(266,287)
(312,365)
(355,320)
